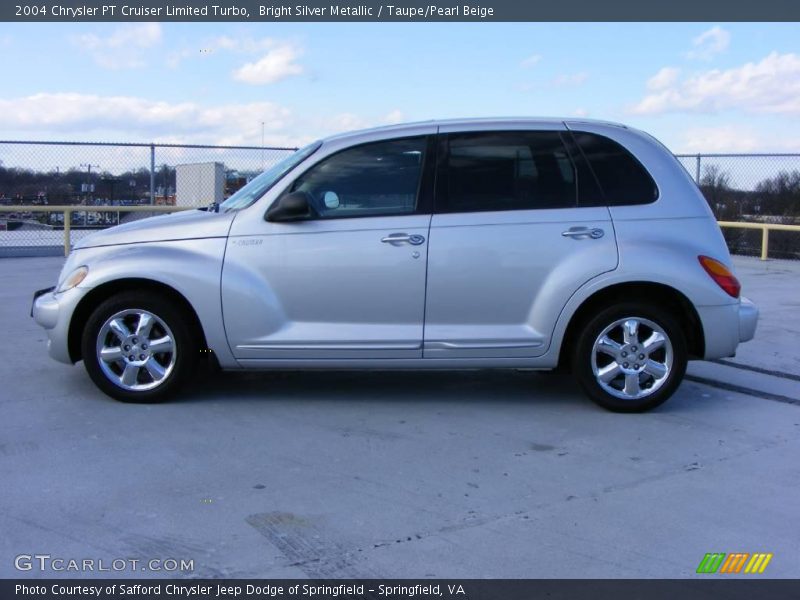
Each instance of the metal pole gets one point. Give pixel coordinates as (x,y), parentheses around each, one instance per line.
(764,243)
(67,223)
(697,171)
(152,174)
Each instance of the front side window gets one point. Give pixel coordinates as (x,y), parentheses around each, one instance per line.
(375,179)
(515,170)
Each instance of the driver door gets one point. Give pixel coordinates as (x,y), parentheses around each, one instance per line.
(346,282)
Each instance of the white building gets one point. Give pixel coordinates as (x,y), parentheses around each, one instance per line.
(199,184)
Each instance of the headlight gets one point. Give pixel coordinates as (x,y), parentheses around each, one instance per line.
(73,279)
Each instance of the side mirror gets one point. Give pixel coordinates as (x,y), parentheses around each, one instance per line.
(291,207)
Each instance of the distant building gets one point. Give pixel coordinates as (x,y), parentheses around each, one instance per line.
(199,184)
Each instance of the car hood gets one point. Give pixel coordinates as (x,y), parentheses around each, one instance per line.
(184,225)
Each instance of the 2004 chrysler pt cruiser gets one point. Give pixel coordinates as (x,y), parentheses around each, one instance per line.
(502,243)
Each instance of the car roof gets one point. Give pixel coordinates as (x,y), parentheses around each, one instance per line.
(481,122)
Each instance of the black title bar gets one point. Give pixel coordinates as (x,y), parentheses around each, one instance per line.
(709,587)
(399,11)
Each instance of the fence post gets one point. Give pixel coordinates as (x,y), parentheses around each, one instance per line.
(764,242)
(152,174)
(697,171)
(67,224)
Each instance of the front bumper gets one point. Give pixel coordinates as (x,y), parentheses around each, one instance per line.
(748,319)
(44,311)
(53,313)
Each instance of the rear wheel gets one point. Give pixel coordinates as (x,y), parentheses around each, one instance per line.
(138,347)
(630,357)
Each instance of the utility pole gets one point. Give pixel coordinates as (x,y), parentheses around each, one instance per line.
(152,174)
(89,170)
(89,177)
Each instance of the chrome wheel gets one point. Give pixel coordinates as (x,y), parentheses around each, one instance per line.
(632,358)
(136,350)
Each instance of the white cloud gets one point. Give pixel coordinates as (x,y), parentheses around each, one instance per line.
(564,80)
(580,112)
(278,58)
(350,121)
(110,118)
(223,43)
(663,79)
(245,45)
(394,117)
(278,63)
(726,138)
(176,57)
(569,80)
(123,48)
(531,61)
(771,85)
(344,122)
(733,138)
(5,41)
(709,43)
(138,118)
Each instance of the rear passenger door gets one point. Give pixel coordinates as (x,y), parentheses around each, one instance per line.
(509,243)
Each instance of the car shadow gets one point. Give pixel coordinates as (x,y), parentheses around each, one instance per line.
(488,386)
(466,386)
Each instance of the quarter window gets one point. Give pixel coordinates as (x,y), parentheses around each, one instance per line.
(380,178)
(622,178)
(516,170)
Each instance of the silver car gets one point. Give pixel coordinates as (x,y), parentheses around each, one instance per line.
(491,243)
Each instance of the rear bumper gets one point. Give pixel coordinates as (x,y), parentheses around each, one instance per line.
(726,326)
(748,319)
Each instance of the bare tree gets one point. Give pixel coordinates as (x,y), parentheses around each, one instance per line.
(715,185)
(780,195)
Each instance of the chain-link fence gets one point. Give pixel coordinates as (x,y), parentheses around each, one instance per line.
(106,175)
(758,189)
(750,188)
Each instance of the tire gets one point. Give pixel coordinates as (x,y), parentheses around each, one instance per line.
(630,357)
(129,329)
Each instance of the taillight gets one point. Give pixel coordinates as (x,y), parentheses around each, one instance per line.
(721,275)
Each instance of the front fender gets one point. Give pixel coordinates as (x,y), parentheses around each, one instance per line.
(193,268)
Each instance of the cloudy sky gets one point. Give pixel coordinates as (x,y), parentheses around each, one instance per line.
(698,87)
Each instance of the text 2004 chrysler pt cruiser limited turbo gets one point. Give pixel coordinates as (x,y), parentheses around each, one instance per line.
(504,243)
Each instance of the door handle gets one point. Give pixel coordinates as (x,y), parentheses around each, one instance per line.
(583,232)
(395,239)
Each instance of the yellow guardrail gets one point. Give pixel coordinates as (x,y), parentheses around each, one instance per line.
(765,229)
(69,209)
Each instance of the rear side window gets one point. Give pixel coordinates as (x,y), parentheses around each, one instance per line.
(516,170)
(622,178)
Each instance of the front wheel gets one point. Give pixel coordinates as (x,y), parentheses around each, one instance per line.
(138,347)
(630,357)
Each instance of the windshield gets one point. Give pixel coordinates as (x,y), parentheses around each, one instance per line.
(261,184)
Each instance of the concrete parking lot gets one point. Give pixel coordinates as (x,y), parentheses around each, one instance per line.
(461,474)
